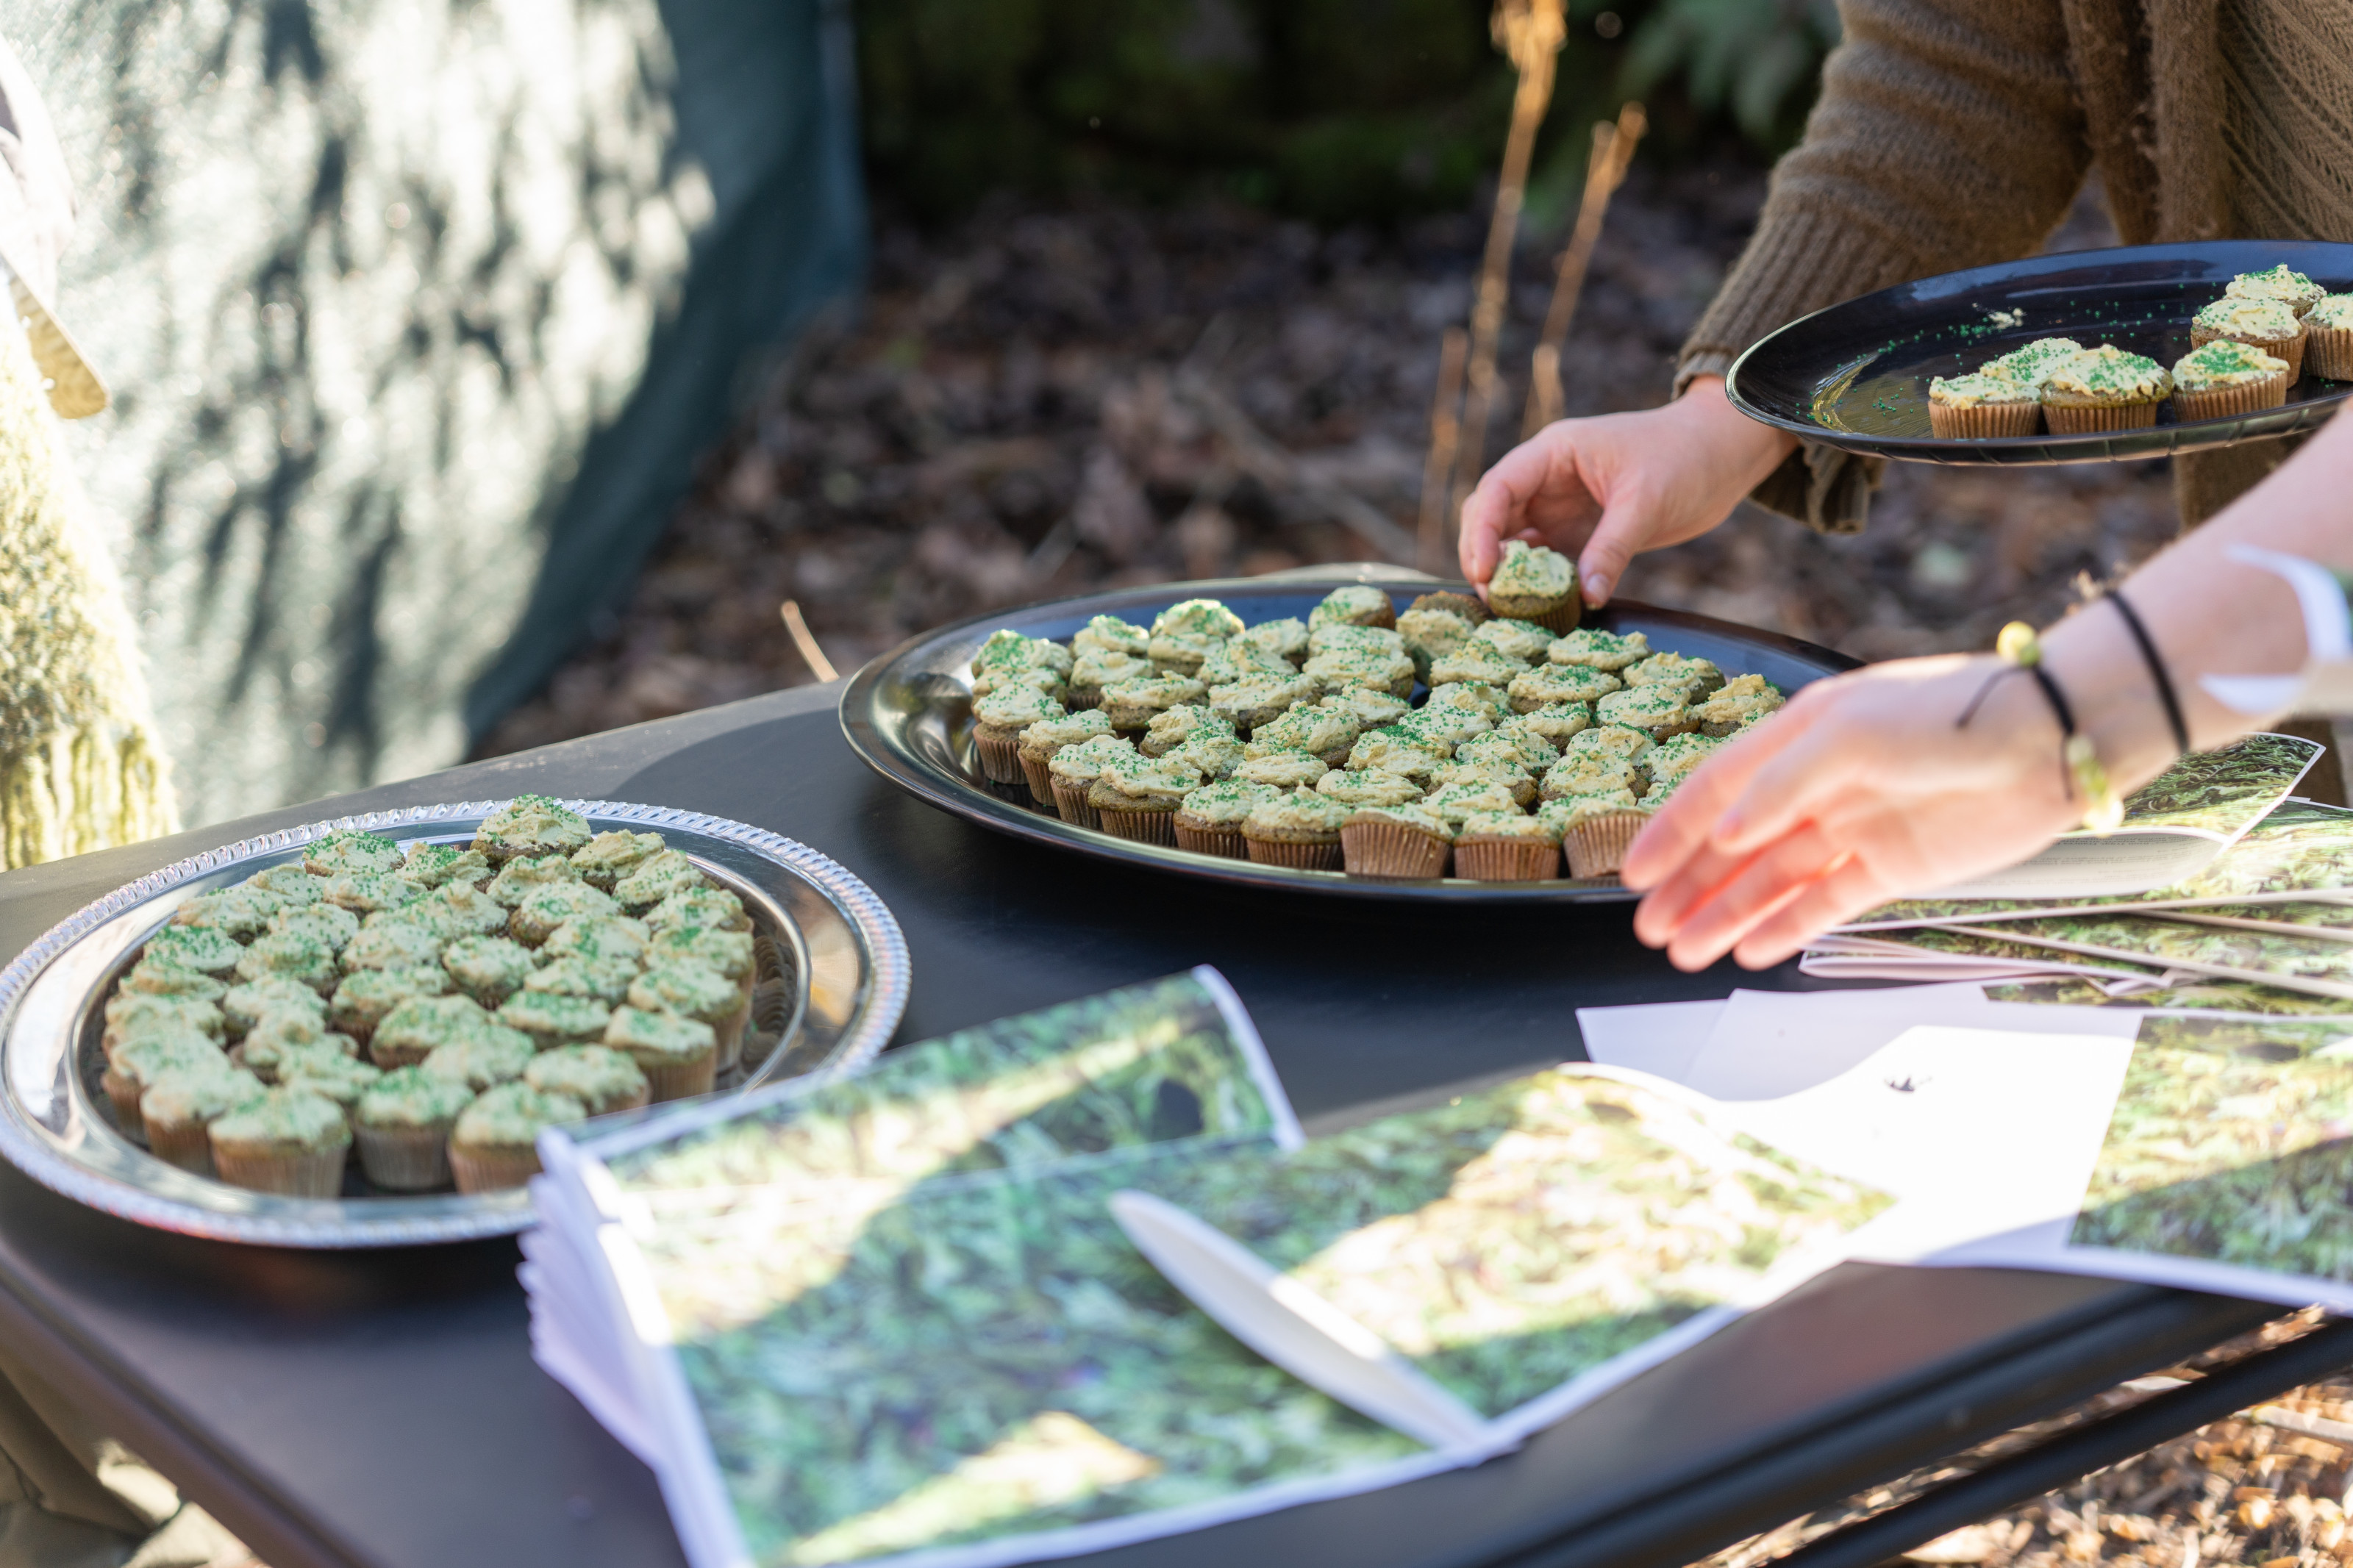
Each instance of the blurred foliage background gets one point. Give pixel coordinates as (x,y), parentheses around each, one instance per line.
(1333,110)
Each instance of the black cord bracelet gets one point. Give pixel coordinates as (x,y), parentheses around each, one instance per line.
(2064,714)
(2156,670)
(2080,774)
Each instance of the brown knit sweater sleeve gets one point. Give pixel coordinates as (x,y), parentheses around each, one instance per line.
(1947,135)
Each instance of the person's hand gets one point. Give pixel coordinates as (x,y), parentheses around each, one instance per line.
(1862,789)
(1605,488)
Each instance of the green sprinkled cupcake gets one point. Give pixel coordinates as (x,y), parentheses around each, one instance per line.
(1431,632)
(531,824)
(1138,799)
(283,1039)
(2265,324)
(339,1079)
(485,1059)
(680,1057)
(367,892)
(242,912)
(290,955)
(419,1025)
(666,874)
(1383,671)
(201,948)
(525,874)
(1368,786)
(553,1021)
(2226,379)
(1510,776)
(247,1003)
(1597,831)
(1131,705)
(607,857)
(179,1108)
(713,909)
(402,1125)
(291,884)
(605,979)
(1982,407)
(1477,664)
(1534,584)
(602,1079)
(2103,389)
(1247,704)
(1357,604)
(1317,731)
(1395,841)
(159,976)
(1522,642)
(1346,637)
(1554,684)
(495,1143)
(330,926)
(1098,668)
(391,942)
(1590,647)
(290,1142)
(2030,365)
(1109,633)
(1041,741)
(1493,703)
(1285,638)
(998,720)
(1507,847)
(1300,830)
(130,1014)
(458,909)
(1213,756)
(1231,662)
(132,1067)
(1208,821)
(1744,699)
(1283,770)
(2282,284)
(1171,729)
(490,969)
(689,990)
(346,852)
(365,995)
(1587,773)
(1693,677)
(1370,708)
(1074,768)
(1456,802)
(2328,338)
(1557,722)
(603,937)
(1509,747)
(446,866)
(1399,751)
(539,916)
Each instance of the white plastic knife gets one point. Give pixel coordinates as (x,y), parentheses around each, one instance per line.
(1292,1327)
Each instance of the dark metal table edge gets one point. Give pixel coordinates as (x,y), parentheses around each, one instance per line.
(1781,1479)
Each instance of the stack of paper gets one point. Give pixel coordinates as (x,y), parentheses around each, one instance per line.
(2265,929)
(900,1315)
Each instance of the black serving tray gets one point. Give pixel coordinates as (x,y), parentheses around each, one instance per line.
(1855,376)
(908,715)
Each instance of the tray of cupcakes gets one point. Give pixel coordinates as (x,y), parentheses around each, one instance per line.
(2082,356)
(1381,737)
(351,1034)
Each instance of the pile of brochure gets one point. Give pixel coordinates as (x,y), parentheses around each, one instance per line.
(2261,928)
(917,1311)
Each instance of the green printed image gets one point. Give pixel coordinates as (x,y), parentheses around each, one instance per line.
(2300,847)
(2231,1143)
(1141,1064)
(2192,995)
(2223,792)
(2268,957)
(984,1355)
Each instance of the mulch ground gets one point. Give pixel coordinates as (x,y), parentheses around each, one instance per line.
(1046,400)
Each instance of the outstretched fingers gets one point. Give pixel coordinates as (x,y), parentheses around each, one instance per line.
(1838,895)
(1765,884)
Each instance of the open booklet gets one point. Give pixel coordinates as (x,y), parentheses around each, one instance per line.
(2174,827)
(942,1359)
(2301,853)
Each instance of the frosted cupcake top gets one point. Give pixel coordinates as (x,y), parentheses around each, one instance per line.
(1597,649)
(1507,825)
(1358,603)
(1015,707)
(2334,313)
(512,1116)
(1110,634)
(1524,641)
(1285,638)
(1226,803)
(1301,811)
(1353,635)
(1970,390)
(1533,573)
(1147,780)
(292,1120)
(2224,362)
(1368,786)
(1197,618)
(1414,816)
(412,1098)
(1567,811)
(2282,283)
(1082,762)
(593,1075)
(2029,365)
(2267,320)
(1047,736)
(2108,375)
(1315,729)
(1283,769)
(1456,801)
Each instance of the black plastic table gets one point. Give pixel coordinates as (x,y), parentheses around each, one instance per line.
(381,1408)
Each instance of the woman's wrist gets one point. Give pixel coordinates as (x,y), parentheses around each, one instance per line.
(2113,692)
(1750,449)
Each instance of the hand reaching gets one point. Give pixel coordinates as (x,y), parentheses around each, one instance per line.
(1608,488)
(1860,790)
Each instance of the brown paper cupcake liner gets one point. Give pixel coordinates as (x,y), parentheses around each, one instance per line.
(2088,418)
(1554,616)
(404,1159)
(1597,847)
(1224,842)
(1986,421)
(730,1030)
(391,1056)
(1079,699)
(123,1094)
(188,1144)
(1070,803)
(1507,860)
(1139,827)
(1391,849)
(492,1170)
(2288,349)
(318,1175)
(2229,402)
(998,756)
(1041,781)
(676,1080)
(1298,856)
(2329,352)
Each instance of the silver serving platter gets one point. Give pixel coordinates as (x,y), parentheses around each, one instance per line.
(909,715)
(846,953)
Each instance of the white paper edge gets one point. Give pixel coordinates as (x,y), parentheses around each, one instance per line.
(1288,1135)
